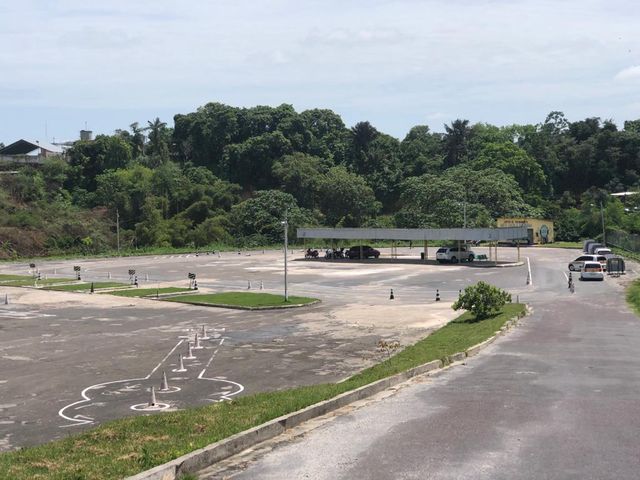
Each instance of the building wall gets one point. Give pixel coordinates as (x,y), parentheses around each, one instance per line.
(537,226)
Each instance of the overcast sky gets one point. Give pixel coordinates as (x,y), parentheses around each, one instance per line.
(394,63)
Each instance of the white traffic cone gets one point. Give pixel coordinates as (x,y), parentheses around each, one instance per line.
(204,333)
(197,343)
(152,402)
(181,364)
(190,355)
(164,386)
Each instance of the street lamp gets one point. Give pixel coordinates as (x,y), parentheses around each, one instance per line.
(285,223)
(604,237)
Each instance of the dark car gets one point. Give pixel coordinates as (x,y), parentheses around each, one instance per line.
(367,252)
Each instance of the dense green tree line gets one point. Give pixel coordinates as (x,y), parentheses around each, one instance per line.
(228,175)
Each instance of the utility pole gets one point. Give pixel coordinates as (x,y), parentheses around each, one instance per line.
(118,229)
(286,254)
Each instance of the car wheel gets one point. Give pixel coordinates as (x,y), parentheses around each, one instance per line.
(571,267)
(470,258)
(454,260)
(376,256)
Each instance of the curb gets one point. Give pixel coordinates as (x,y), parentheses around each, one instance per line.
(207,456)
(239,307)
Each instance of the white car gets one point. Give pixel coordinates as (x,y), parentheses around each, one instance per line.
(579,262)
(453,255)
(592,271)
(603,251)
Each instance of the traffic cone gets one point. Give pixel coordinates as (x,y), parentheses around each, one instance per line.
(437,295)
(391,296)
(164,386)
(92,289)
(181,364)
(261,285)
(6,299)
(197,343)
(249,285)
(190,355)
(152,402)
(204,333)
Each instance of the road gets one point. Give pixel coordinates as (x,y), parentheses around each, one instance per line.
(558,397)
(70,361)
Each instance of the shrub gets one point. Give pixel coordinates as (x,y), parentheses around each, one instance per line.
(482,300)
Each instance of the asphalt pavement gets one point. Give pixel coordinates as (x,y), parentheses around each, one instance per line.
(556,398)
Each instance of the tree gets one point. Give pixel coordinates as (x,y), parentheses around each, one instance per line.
(158,139)
(263,214)
(421,151)
(251,163)
(346,199)
(456,142)
(513,160)
(482,300)
(300,174)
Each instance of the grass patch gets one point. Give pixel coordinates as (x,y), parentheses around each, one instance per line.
(128,446)
(6,278)
(86,286)
(242,299)
(633,296)
(31,282)
(146,292)
(577,245)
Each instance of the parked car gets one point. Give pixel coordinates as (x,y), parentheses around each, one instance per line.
(578,263)
(603,251)
(592,271)
(367,252)
(454,255)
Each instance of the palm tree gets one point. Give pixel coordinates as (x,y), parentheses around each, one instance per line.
(157,130)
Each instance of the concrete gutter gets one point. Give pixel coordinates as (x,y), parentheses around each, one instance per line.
(207,456)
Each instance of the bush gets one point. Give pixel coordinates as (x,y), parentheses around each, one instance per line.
(482,300)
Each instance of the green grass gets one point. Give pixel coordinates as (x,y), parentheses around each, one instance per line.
(144,292)
(6,277)
(127,446)
(577,245)
(30,282)
(242,299)
(86,286)
(633,296)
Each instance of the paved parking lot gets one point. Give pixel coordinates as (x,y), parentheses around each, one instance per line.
(69,361)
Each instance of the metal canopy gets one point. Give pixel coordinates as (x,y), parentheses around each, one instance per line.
(474,234)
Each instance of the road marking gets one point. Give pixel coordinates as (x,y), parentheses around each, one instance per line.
(530,275)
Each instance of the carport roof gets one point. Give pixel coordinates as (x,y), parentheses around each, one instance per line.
(476,234)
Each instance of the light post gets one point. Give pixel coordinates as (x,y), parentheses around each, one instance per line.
(285,223)
(604,237)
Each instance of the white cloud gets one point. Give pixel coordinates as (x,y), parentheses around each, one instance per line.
(629,73)
(389,62)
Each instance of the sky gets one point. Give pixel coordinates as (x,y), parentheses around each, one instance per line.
(66,65)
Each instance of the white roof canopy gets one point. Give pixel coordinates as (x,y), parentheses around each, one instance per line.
(476,234)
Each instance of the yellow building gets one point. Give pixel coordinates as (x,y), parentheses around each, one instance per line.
(540,231)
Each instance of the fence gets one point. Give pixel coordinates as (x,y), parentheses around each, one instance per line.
(624,240)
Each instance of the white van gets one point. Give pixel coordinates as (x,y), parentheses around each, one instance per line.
(592,271)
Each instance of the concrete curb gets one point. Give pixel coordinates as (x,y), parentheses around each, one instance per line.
(239,307)
(207,456)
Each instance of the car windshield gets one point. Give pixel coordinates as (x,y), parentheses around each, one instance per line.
(442,250)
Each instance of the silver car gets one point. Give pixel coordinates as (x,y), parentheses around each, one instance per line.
(578,264)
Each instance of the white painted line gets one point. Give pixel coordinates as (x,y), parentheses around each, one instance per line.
(163,360)
(530,275)
(566,276)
